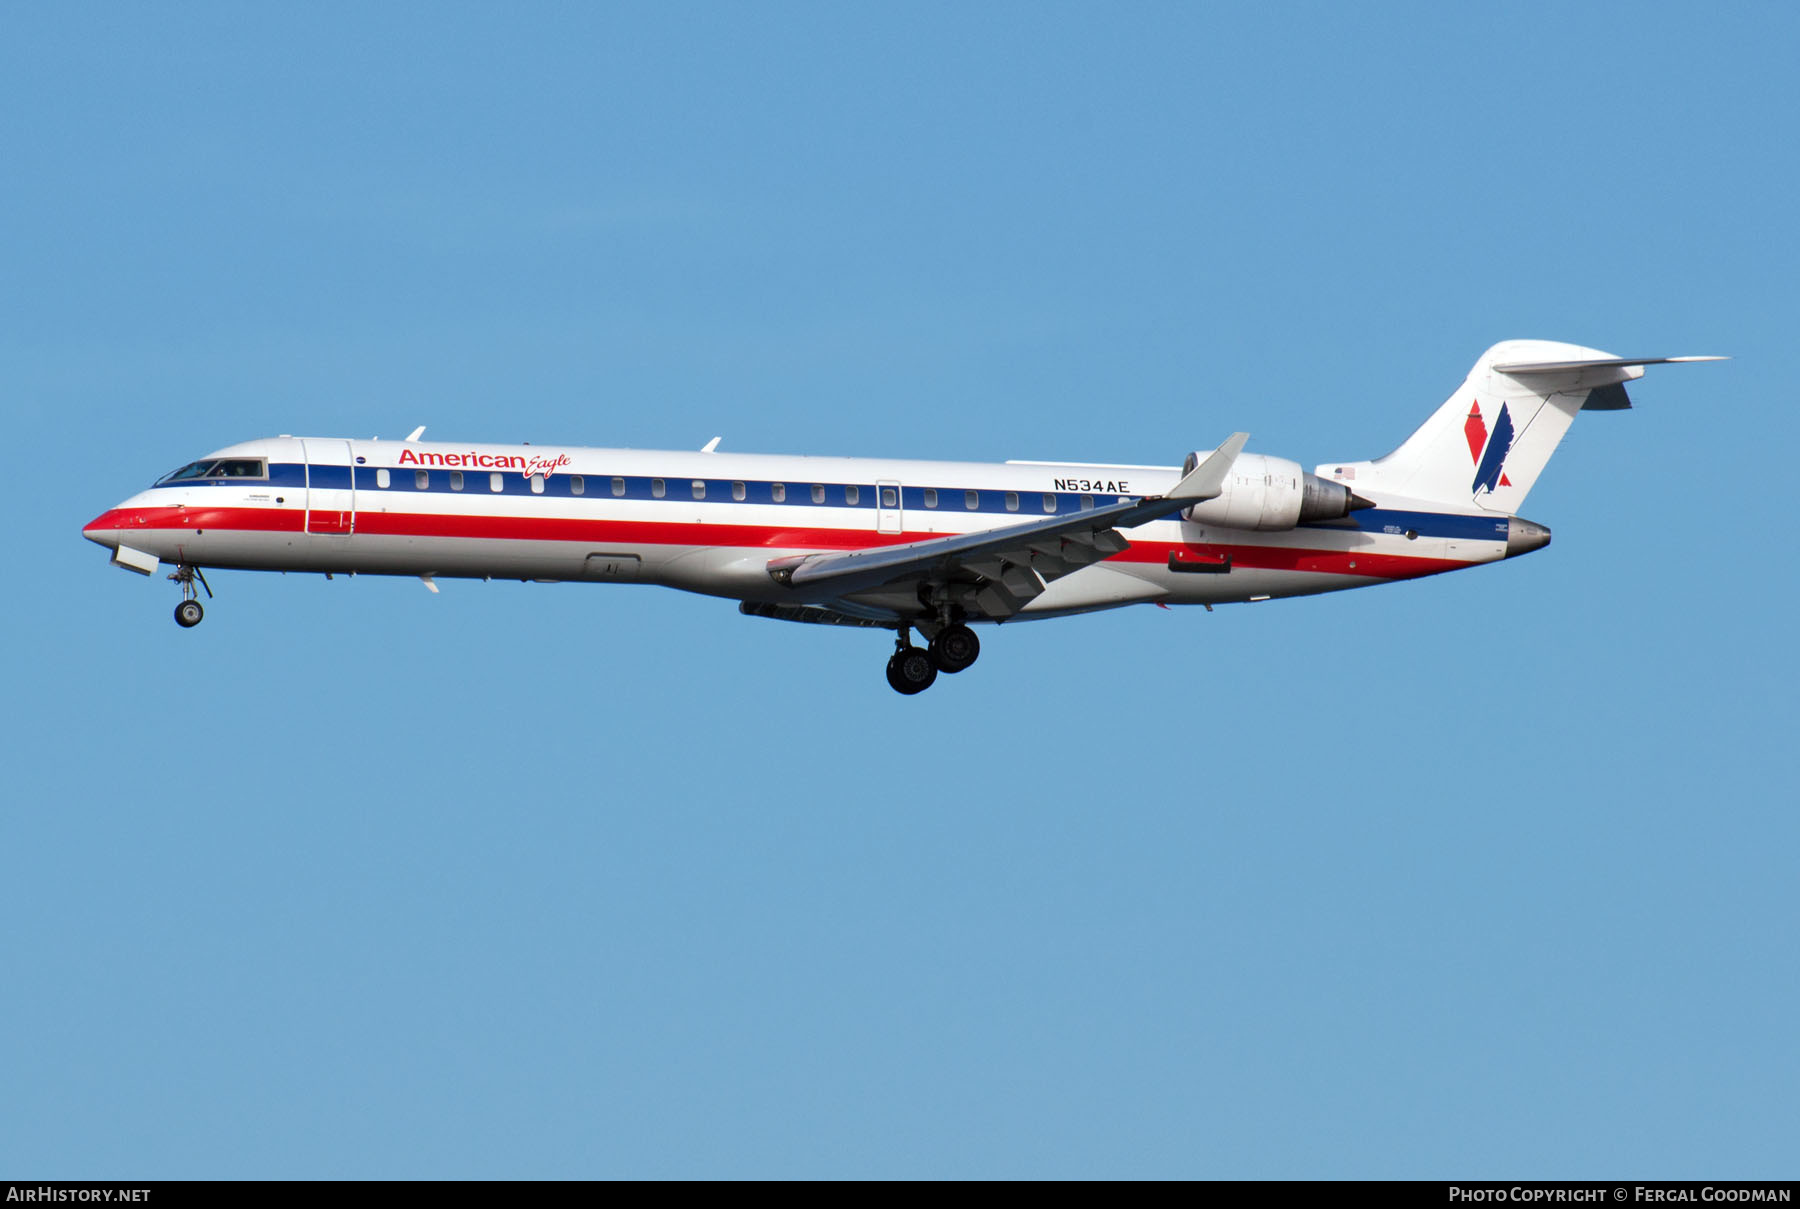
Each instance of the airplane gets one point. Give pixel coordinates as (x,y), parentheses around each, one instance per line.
(936,547)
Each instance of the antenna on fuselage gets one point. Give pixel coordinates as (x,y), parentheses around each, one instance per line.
(711,446)
(416,433)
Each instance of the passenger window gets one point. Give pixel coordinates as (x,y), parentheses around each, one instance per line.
(656,488)
(618,486)
(422,479)
(889,498)
(737,491)
(931,497)
(778,492)
(971,500)
(577,485)
(852,495)
(496,481)
(382,478)
(1087,503)
(537,484)
(1049,502)
(1012,501)
(456,480)
(699,489)
(818,493)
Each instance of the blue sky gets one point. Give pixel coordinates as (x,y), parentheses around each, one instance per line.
(1488,875)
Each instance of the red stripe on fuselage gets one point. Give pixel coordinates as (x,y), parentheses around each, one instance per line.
(650,533)
(1293,558)
(748,537)
(268,520)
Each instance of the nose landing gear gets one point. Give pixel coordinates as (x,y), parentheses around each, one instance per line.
(188,613)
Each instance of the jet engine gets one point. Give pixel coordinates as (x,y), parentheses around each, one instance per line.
(1262,492)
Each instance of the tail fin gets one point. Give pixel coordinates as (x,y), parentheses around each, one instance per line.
(1489,442)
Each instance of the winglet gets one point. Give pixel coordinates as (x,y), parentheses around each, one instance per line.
(1207,480)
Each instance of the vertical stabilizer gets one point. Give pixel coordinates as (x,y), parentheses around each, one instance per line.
(1490,440)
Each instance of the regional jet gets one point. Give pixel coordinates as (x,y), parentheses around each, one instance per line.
(932,547)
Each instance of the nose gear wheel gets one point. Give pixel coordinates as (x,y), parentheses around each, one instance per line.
(188,613)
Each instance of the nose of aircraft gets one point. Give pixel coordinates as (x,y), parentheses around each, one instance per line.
(122,530)
(103,529)
(121,523)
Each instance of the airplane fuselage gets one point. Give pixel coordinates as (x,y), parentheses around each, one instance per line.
(714,522)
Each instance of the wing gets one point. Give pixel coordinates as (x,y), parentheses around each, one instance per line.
(999,570)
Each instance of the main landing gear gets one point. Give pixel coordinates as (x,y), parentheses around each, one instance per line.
(914,669)
(911,669)
(955,648)
(188,613)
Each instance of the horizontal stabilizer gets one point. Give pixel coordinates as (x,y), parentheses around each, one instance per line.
(1515,368)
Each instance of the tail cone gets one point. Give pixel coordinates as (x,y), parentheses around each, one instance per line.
(1523,536)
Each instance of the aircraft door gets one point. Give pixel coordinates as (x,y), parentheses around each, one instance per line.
(888,516)
(330,487)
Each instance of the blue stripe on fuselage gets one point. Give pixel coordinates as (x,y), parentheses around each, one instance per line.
(1026,505)
(403,482)
(1453,526)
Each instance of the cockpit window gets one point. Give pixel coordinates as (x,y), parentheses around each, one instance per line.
(218,468)
(193,470)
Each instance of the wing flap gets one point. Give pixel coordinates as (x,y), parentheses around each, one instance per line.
(811,614)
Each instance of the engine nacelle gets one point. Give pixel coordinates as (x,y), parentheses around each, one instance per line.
(1262,492)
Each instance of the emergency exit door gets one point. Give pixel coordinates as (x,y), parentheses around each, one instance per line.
(330,487)
(887,508)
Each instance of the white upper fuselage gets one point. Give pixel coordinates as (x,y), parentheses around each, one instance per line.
(713,522)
